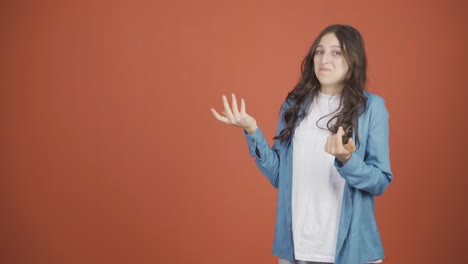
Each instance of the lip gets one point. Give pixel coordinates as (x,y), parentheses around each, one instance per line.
(321,69)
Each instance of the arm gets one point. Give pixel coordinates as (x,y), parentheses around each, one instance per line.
(371,174)
(266,158)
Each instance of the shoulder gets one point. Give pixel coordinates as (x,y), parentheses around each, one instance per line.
(375,102)
(373,99)
(288,103)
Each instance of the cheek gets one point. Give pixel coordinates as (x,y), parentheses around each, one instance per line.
(316,62)
(316,68)
(343,66)
(346,70)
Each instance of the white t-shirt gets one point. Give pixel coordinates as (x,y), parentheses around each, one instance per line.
(317,190)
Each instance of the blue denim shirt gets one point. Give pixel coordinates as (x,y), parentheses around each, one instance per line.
(367,174)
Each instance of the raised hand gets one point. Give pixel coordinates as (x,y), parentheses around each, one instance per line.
(234,117)
(335,146)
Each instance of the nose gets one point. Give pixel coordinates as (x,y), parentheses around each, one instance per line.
(325,58)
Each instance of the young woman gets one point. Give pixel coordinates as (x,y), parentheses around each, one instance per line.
(330,156)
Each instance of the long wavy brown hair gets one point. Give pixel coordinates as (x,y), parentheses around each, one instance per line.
(353,101)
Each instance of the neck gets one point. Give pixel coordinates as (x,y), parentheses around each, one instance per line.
(331,90)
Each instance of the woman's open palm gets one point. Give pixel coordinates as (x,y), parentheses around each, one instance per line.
(232,116)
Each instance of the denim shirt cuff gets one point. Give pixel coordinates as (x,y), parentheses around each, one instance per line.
(253,140)
(349,166)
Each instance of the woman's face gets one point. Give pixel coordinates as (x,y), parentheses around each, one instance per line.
(330,65)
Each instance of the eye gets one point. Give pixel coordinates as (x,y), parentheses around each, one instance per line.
(335,53)
(318,52)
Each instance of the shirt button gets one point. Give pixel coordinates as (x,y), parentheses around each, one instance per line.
(253,140)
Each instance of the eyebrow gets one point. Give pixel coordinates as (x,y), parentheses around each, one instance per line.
(333,46)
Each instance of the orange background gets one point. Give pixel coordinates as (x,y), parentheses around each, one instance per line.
(109,152)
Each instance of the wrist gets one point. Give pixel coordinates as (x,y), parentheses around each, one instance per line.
(344,159)
(251,129)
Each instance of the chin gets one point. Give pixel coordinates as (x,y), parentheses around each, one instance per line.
(327,82)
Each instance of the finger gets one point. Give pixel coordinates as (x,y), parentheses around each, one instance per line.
(351,144)
(242,107)
(340,131)
(337,140)
(338,137)
(327,145)
(235,110)
(219,117)
(227,109)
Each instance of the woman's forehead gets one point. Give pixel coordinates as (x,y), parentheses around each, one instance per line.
(329,40)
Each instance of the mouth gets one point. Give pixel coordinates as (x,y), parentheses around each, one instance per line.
(324,70)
